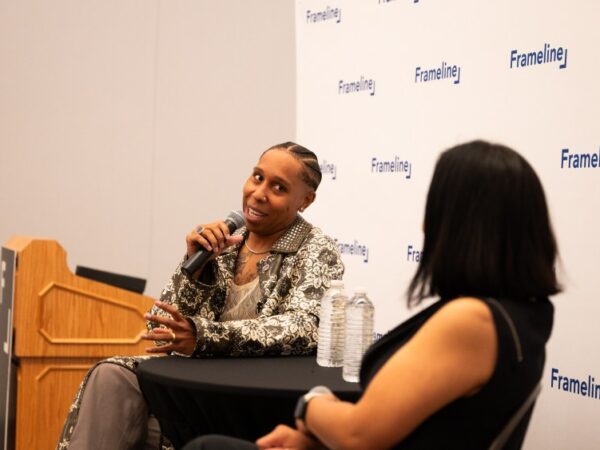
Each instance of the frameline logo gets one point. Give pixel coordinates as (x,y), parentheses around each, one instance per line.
(570,160)
(329,169)
(353,249)
(546,55)
(444,71)
(328,14)
(396,166)
(576,386)
(412,254)
(352,87)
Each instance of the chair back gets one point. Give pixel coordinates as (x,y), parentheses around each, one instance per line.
(507,438)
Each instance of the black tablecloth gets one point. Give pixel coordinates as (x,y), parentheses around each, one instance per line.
(242,397)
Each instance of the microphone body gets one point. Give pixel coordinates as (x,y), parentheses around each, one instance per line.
(234,220)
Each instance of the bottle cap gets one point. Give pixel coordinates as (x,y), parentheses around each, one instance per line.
(337,283)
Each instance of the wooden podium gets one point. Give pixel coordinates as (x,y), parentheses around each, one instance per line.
(62,325)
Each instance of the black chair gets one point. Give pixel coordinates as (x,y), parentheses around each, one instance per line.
(512,435)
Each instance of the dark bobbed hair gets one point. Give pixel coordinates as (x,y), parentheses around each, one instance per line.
(311,171)
(487,228)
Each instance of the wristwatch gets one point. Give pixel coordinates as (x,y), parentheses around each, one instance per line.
(302,405)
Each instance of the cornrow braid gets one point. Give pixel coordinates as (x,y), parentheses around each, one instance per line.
(311,173)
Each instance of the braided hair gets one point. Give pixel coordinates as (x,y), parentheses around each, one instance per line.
(311,171)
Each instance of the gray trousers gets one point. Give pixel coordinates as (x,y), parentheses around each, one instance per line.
(113,413)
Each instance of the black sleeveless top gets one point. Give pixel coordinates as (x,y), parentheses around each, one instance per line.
(523,328)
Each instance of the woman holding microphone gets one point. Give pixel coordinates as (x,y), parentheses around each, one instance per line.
(259,294)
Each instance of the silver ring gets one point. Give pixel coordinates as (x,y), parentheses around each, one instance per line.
(199,230)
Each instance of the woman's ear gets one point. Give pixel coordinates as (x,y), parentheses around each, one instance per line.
(310,197)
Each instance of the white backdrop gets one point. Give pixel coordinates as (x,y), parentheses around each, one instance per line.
(365,95)
(124,123)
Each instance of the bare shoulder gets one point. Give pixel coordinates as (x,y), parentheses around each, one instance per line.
(465,328)
(464,332)
(465,311)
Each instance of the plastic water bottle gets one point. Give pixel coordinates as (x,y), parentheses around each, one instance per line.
(330,349)
(359,333)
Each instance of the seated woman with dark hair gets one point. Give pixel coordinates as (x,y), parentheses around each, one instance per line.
(453,375)
(259,294)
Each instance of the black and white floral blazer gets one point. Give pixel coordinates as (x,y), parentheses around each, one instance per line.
(292,279)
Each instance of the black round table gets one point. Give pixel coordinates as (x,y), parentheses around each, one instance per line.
(241,397)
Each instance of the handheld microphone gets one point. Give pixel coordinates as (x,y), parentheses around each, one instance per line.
(234,220)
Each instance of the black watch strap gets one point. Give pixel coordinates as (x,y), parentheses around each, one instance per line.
(302,404)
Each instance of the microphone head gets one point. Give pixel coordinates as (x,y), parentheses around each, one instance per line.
(235,218)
